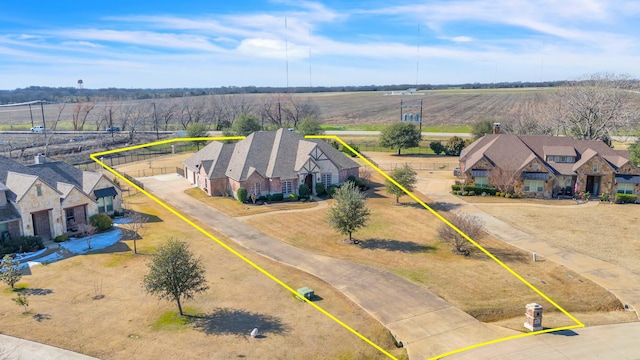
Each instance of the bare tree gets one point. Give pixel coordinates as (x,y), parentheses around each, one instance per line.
(136,223)
(47,139)
(297,110)
(80,113)
(226,108)
(597,107)
(271,109)
(503,179)
(87,231)
(470,225)
(529,122)
(165,113)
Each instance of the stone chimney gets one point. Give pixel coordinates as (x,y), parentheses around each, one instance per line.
(496,128)
(39,159)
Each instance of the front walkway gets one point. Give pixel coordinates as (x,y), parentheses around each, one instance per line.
(426,324)
(12,348)
(621,281)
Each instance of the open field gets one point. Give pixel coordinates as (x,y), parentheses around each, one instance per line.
(440,107)
(128,324)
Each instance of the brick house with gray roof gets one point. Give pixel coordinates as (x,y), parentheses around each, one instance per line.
(48,199)
(549,166)
(268,162)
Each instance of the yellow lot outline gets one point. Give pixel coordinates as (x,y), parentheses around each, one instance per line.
(95,157)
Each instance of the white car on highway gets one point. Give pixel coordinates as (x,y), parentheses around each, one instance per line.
(38,128)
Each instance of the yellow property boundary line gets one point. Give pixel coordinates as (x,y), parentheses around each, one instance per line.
(95,157)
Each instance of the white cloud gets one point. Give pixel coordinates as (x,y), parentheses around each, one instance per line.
(460,39)
(82,44)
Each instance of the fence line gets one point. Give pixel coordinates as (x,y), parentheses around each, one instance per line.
(419,166)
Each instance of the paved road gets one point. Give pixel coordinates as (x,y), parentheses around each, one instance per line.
(425,323)
(19,349)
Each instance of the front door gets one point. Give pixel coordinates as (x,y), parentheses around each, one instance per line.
(593,185)
(41,225)
(308,180)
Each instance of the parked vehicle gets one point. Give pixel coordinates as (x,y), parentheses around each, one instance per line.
(38,128)
(112,129)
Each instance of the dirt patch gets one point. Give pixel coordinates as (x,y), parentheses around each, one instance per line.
(126,323)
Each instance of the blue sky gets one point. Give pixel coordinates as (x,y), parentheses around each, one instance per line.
(157,44)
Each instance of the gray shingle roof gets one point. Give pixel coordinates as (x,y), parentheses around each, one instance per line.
(506,151)
(8,212)
(273,154)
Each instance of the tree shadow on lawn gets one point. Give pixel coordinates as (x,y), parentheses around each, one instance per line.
(226,321)
(395,245)
(35,292)
(504,255)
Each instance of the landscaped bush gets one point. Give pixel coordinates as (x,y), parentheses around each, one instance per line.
(508,196)
(626,198)
(478,189)
(349,152)
(472,193)
(331,190)
(277,197)
(21,244)
(293,197)
(101,221)
(498,193)
(320,190)
(604,197)
(455,187)
(304,190)
(242,194)
(61,238)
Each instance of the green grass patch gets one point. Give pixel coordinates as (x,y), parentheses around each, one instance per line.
(172,321)
(17,288)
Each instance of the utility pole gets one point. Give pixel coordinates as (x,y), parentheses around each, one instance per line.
(155,119)
(31,113)
(111,122)
(421,117)
(44,128)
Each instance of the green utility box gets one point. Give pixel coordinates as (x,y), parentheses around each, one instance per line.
(306,292)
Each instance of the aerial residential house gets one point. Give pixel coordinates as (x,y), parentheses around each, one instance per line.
(549,166)
(52,198)
(268,162)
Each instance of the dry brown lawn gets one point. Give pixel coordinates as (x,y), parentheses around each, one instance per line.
(403,239)
(129,324)
(605,231)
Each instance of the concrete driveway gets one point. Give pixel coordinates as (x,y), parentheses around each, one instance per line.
(12,348)
(426,324)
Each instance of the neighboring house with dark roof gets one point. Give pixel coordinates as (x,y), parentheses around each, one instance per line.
(549,166)
(268,162)
(52,198)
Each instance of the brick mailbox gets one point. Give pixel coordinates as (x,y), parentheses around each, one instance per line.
(533,313)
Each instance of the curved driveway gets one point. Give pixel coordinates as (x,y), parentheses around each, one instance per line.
(426,324)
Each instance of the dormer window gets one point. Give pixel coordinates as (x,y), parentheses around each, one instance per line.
(561,159)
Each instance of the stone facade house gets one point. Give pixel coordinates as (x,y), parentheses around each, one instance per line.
(268,162)
(48,199)
(549,166)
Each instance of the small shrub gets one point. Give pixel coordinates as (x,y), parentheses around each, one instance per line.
(455,187)
(508,196)
(101,221)
(626,198)
(586,196)
(277,197)
(242,194)
(304,190)
(349,152)
(437,147)
(604,197)
(498,193)
(465,193)
(320,190)
(472,193)
(293,197)
(61,238)
(351,178)
(331,190)
(262,198)
(269,198)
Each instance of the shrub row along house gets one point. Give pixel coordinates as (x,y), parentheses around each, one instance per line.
(548,166)
(48,199)
(268,162)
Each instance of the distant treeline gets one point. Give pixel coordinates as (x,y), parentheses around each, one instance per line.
(69,94)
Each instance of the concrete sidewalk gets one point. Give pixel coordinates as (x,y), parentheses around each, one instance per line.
(622,282)
(426,324)
(12,348)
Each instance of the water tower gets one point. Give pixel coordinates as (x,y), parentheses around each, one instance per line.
(80,84)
